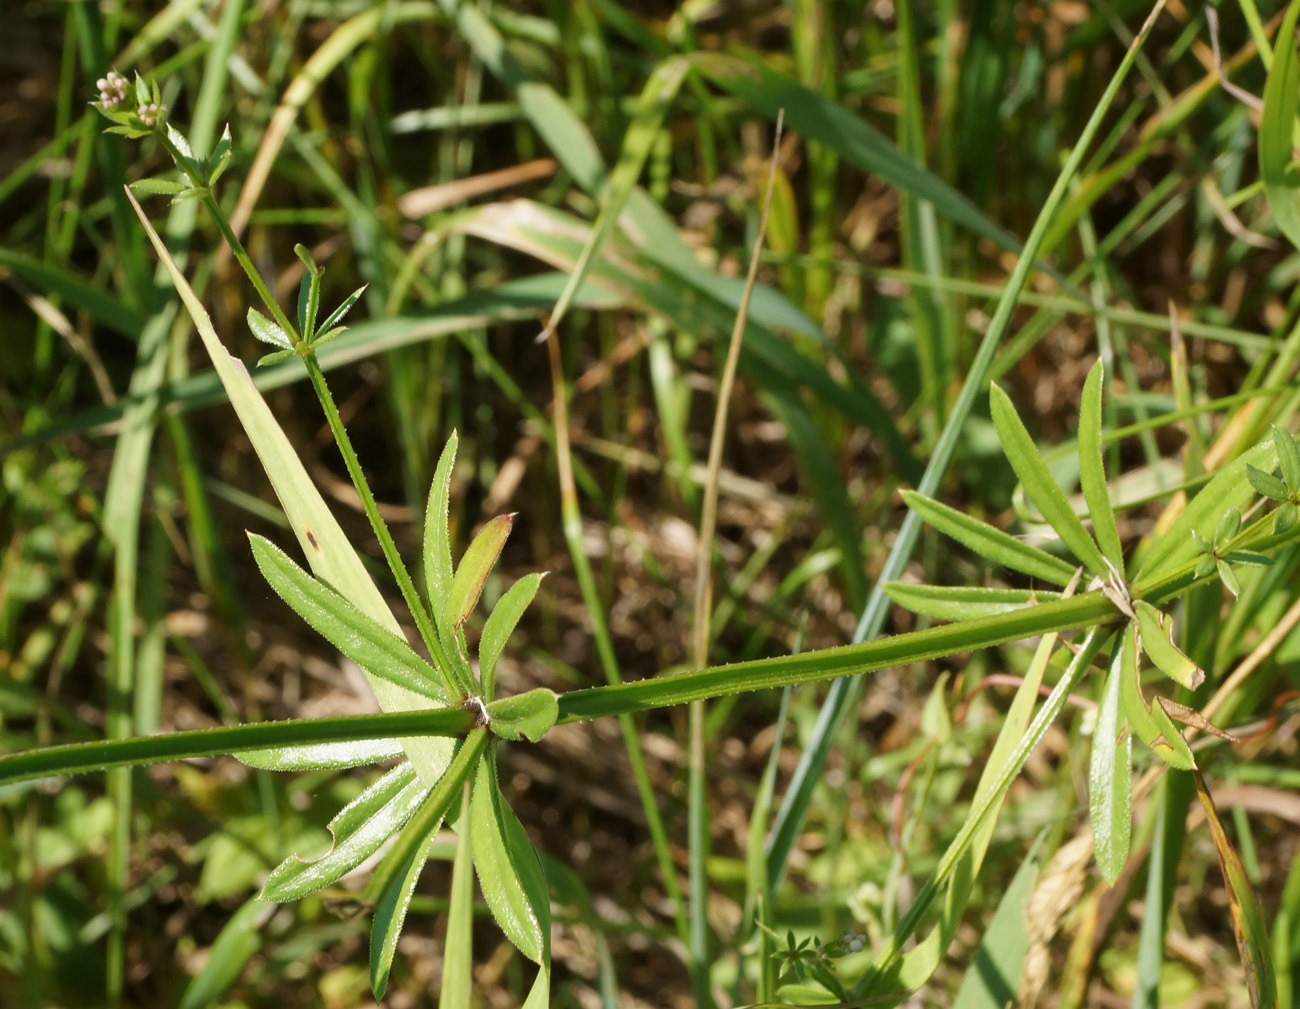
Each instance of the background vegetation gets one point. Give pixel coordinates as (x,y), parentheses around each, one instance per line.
(454,158)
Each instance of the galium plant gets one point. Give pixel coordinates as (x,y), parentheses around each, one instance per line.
(444,715)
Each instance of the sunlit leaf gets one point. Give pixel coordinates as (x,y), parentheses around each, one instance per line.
(323,756)
(1039,483)
(509,872)
(267,331)
(437,535)
(1151,724)
(1110,777)
(500,624)
(1092,470)
(957,602)
(1266,483)
(992,544)
(357,832)
(472,572)
(1157,630)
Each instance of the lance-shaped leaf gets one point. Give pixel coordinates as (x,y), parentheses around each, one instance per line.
(352,632)
(1276,130)
(472,573)
(458,955)
(1092,470)
(1243,905)
(500,624)
(358,831)
(1157,637)
(509,872)
(267,331)
(322,756)
(1266,483)
(1039,483)
(1110,776)
(1230,488)
(959,602)
(529,715)
(1150,723)
(990,543)
(1288,457)
(332,320)
(437,535)
(394,881)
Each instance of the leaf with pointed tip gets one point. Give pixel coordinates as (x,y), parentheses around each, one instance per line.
(529,715)
(306,317)
(954,602)
(1285,517)
(394,881)
(220,157)
(509,872)
(1110,777)
(1229,578)
(500,624)
(371,646)
(1157,631)
(328,335)
(1247,916)
(1230,488)
(267,331)
(989,542)
(458,953)
(322,756)
(336,316)
(358,830)
(1092,470)
(1288,457)
(472,572)
(1277,129)
(1039,483)
(1228,527)
(1267,484)
(1251,557)
(437,534)
(274,358)
(1151,724)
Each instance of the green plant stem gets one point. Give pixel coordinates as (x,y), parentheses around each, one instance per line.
(77,758)
(456,687)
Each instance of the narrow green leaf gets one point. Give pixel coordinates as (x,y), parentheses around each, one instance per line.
(1110,777)
(220,157)
(472,572)
(328,335)
(500,624)
(1151,724)
(1251,557)
(165,187)
(1229,578)
(1228,527)
(239,939)
(1285,517)
(1288,457)
(458,952)
(1247,916)
(1267,484)
(1276,131)
(1039,484)
(394,881)
(267,331)
(993,544)
(352,632)
(993,979)
(1092,470)
(274,358)
(1230,488)
(946,602)
(306,320)
(323,756)
(358,831)
(1157,640)
(509,872)
(529,715)
(437,533)
(336,316)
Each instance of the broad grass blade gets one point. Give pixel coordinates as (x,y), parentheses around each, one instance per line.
(1092,470)
(239,939)
(1277,131)
(1110,777)
(992,544)
(322,539)
(993,980)
(357,832)
(1039,483)
(1247,916)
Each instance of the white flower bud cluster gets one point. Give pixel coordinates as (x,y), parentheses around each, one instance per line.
(148,114)
(112,90)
